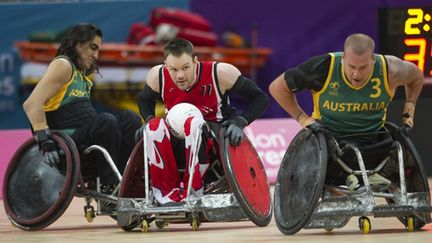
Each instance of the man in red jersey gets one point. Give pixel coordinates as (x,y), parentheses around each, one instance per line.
(206,85)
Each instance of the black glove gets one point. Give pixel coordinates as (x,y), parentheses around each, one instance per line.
(317,127)
(405,129)
(235,129)
(48,146)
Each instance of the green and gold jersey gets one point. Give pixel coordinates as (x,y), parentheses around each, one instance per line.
(71,107)
(79,86)
(346,109)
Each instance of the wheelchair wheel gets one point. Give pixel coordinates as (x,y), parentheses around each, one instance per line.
(300,181)
(36,194)
(132,185)
(247,178)
(415,177)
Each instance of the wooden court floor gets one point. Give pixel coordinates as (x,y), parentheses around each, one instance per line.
(73,227)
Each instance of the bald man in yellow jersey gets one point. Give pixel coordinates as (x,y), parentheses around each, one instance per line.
(351,89)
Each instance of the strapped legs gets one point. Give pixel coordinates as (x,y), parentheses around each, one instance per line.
(164,172)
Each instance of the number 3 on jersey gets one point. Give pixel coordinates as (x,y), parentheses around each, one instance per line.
(376,87)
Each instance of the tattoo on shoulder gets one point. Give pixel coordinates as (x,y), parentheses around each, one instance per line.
(402,71)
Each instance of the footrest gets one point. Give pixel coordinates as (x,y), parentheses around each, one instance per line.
(392,211)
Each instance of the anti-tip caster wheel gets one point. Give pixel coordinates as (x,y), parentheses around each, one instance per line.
(364,224)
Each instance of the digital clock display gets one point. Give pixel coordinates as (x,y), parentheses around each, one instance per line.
(406,33)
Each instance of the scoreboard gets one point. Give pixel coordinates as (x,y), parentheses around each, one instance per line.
(407,34)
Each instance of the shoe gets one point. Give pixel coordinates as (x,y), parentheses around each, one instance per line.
(378,181)
(193,196)
(351,182)
(171,199)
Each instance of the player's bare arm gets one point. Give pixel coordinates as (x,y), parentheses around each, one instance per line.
(407,74)
(57,75)
(153,78)
(286,99)
(227,76)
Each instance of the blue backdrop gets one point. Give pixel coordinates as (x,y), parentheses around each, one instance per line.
(18,20)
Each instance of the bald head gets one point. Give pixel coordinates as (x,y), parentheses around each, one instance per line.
(358,58)
(359,44)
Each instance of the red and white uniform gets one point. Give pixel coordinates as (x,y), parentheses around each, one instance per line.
(205,95)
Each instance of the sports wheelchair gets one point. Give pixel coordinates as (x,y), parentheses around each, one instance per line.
(310,193)
(236,189)
(36,194)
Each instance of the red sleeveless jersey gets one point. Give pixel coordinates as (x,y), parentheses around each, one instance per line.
(204,94)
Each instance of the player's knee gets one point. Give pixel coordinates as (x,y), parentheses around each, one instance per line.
(128,121)
(129,117)
(107,122)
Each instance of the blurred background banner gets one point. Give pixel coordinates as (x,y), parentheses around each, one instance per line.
(11,112)
(20,20)
(293,30)
(271,138)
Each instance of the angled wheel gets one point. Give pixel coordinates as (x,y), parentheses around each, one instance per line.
(415,177)
(247,178)
(132,185)
(300,181)
(36,194)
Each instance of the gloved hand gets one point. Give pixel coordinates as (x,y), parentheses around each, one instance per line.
(317,127)
(407,118)
(405,129)
(235,129)
(48,146)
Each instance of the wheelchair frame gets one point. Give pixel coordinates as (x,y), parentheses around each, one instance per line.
(218,204)
(336,204)
(335,211)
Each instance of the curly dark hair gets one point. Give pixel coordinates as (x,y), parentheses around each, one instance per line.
(80,33)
